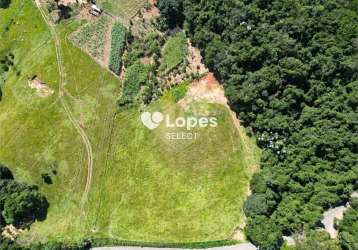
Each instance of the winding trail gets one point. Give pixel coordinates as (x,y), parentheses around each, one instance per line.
(61,94)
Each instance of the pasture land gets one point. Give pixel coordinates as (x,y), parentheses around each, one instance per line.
(145,187)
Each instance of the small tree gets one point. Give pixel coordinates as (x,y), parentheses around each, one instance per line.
(171,13)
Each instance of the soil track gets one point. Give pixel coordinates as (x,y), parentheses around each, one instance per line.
(61,93)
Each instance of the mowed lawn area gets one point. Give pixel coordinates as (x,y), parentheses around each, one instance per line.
(122,8)
(145,187)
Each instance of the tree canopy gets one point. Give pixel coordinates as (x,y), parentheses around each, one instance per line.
(290,71)
(20,204)
(4,3)
(348,227)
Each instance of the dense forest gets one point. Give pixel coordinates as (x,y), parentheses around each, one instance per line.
(290,71)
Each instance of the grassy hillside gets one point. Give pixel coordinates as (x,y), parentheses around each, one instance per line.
(145,187)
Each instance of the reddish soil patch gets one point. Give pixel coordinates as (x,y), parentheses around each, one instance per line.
(154,11)
(205,89)
(210,80)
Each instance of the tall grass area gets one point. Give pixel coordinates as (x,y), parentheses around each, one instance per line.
(174,52)
(145,187)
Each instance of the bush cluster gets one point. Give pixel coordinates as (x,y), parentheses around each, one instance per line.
(117,47)
(136,78)
(20,204)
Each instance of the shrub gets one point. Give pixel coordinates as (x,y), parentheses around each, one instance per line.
(256,204)
(98,242)
(316,240)
(117,47)
(148,46)
(136,76)
(179,91)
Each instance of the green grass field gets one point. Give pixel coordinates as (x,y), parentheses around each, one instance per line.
(174,52)
(122,8)
(145,187)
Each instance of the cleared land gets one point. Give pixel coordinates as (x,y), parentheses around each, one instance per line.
(122,8)
(144,187)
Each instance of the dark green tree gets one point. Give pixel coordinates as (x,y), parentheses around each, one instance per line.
(20,204)
(4,3)
(171,13)
(5,173)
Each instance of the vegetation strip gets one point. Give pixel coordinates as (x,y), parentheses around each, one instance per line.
(117,47)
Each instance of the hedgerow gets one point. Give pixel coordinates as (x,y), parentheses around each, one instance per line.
(117,47)
(100,242)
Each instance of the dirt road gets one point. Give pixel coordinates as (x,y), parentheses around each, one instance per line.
(61,93)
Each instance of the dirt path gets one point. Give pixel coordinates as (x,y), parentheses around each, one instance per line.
(70,116)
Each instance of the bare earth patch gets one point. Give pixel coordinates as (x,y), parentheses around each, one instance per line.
(85,13)
(195,61)
(71,2)
(42,89)
(11,232)
(205,89)
(152,12)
